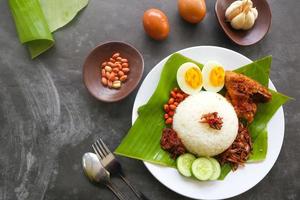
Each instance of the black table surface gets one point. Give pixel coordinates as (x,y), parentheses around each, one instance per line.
(48,119)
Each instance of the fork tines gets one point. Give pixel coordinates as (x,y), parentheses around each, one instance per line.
(101,149)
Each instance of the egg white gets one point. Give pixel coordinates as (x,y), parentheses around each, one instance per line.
(206,74)
(181,78)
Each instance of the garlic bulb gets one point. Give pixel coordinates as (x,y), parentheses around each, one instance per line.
(241,14)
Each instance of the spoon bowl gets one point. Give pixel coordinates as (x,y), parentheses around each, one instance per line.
(93,169)
(251,36)
(96,173)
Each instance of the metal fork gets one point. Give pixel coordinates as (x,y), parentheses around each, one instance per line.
(111,164)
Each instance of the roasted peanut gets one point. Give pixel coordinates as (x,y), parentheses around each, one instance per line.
(111,64)
(115,55)
(123,78)
(179,96)
(166,107)
(112,60)
(125,70)
(121,73)
(119,65)
(109,83)
(116,84)
(116,70)
(169,121)
(125,65)
(124,60)
(171,101)
(171,113)
(108,68)
(112,76)
(173,94)
(119,58)
(166,116)
(104,64)
(107,74)
(172,107)
(103,72)
(104,81)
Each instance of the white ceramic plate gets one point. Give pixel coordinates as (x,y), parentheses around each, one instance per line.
(236,182)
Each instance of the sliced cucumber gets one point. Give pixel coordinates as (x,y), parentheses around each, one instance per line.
(202,169)
(184,163)
(216,169)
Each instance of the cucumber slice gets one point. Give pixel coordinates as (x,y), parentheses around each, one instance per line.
(184,163)
(216,169)
(202,169)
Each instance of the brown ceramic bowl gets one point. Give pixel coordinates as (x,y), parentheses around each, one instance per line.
(92,73)
(256,33)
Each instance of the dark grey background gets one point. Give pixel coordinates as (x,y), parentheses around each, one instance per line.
(48,119)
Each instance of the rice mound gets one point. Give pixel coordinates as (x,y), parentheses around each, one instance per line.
(199,138)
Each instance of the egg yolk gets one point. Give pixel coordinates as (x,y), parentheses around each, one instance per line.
(193,78)
(217,76)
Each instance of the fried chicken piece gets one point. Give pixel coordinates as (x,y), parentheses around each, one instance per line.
(244,94)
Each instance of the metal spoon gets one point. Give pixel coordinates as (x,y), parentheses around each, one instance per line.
(97,173)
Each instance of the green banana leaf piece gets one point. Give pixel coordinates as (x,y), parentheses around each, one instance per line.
(260,147)
(143,139)
(265,112)
(60,12)
(31,25)
(258,70)
(225,169)
(36,20)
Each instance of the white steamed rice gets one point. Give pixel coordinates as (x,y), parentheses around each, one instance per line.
(199,138)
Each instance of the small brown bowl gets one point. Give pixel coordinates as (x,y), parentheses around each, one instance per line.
(92,70)
(251,36)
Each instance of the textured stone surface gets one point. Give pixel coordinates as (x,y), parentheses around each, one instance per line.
(48,119)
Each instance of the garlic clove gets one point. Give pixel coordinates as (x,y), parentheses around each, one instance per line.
(233,10)
(255,13)
(248,3)
(238,21)
(249,21)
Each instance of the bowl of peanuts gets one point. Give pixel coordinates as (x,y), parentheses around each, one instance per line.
(112,71)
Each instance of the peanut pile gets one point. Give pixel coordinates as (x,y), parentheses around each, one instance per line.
(114,71)
(176,96)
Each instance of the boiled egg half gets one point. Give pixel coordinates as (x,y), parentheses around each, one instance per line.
(189,78)
(213,76)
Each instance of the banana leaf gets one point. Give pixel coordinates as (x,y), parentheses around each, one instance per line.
(260,147)
(36,20)
(31,26)
(143,139)
(60,12)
